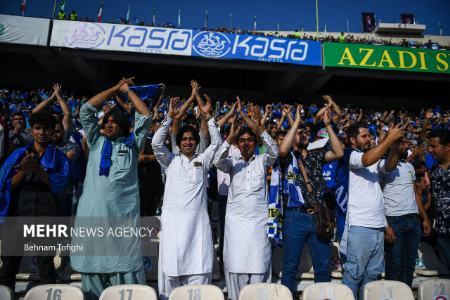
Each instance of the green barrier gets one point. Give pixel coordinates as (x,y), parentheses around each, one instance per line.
(386,58)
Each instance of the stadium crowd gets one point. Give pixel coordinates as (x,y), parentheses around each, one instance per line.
(284,174)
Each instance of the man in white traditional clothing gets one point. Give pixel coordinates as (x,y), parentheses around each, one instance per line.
(247,249)
(186,249)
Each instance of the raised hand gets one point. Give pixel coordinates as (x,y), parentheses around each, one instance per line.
(238,104)
(395,132)
(173,107)
(233,108)
(57,89)
(205,108)
(234,129)
(256,113)
(195,87)
(327,117)
(298,114)
(123,84)
(328,100)
(286,109)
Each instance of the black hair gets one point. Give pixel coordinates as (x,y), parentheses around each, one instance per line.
(443,135)
(43,118)
(120,118)
(281,133)
(353,130)
(18,114)
(183,130)
(245,130)
(59,122)
(190,120)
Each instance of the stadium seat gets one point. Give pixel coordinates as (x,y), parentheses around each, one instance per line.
(197,292)
(387,289)
(6,293)
(55,291)
(265,291)
(129,291)
(434,289)
(327,290)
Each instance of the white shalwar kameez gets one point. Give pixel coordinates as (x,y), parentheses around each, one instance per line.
(247,249)
(186,249)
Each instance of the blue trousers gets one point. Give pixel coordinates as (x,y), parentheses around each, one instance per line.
(298,229)
(401,255)
(365,258)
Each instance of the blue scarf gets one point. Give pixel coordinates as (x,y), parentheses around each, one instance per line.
(105,160)
(280,185)
(53,161)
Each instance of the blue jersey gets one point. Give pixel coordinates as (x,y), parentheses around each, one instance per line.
(341,192)
(329,174)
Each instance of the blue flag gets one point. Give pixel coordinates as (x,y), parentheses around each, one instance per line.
(148,93)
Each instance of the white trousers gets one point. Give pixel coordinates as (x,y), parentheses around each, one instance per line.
(166,284)
(236,281)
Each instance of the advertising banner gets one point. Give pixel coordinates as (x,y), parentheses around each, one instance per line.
(24,30)
(386,58)
(258,48)
(154,40)
(120,37)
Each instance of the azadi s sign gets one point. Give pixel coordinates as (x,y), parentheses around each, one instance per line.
(386,58)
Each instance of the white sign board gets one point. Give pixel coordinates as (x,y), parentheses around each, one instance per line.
(24,30)
(120,37)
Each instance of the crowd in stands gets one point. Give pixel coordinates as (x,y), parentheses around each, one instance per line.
(273,167)
(350,38)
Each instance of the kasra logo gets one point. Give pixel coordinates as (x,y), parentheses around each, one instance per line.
(211,44)
(85,35)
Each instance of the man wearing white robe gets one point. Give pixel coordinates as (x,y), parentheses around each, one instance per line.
(186,249)
(247,249)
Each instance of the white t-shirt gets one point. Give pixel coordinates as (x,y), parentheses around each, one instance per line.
(398,191)
(365,198)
